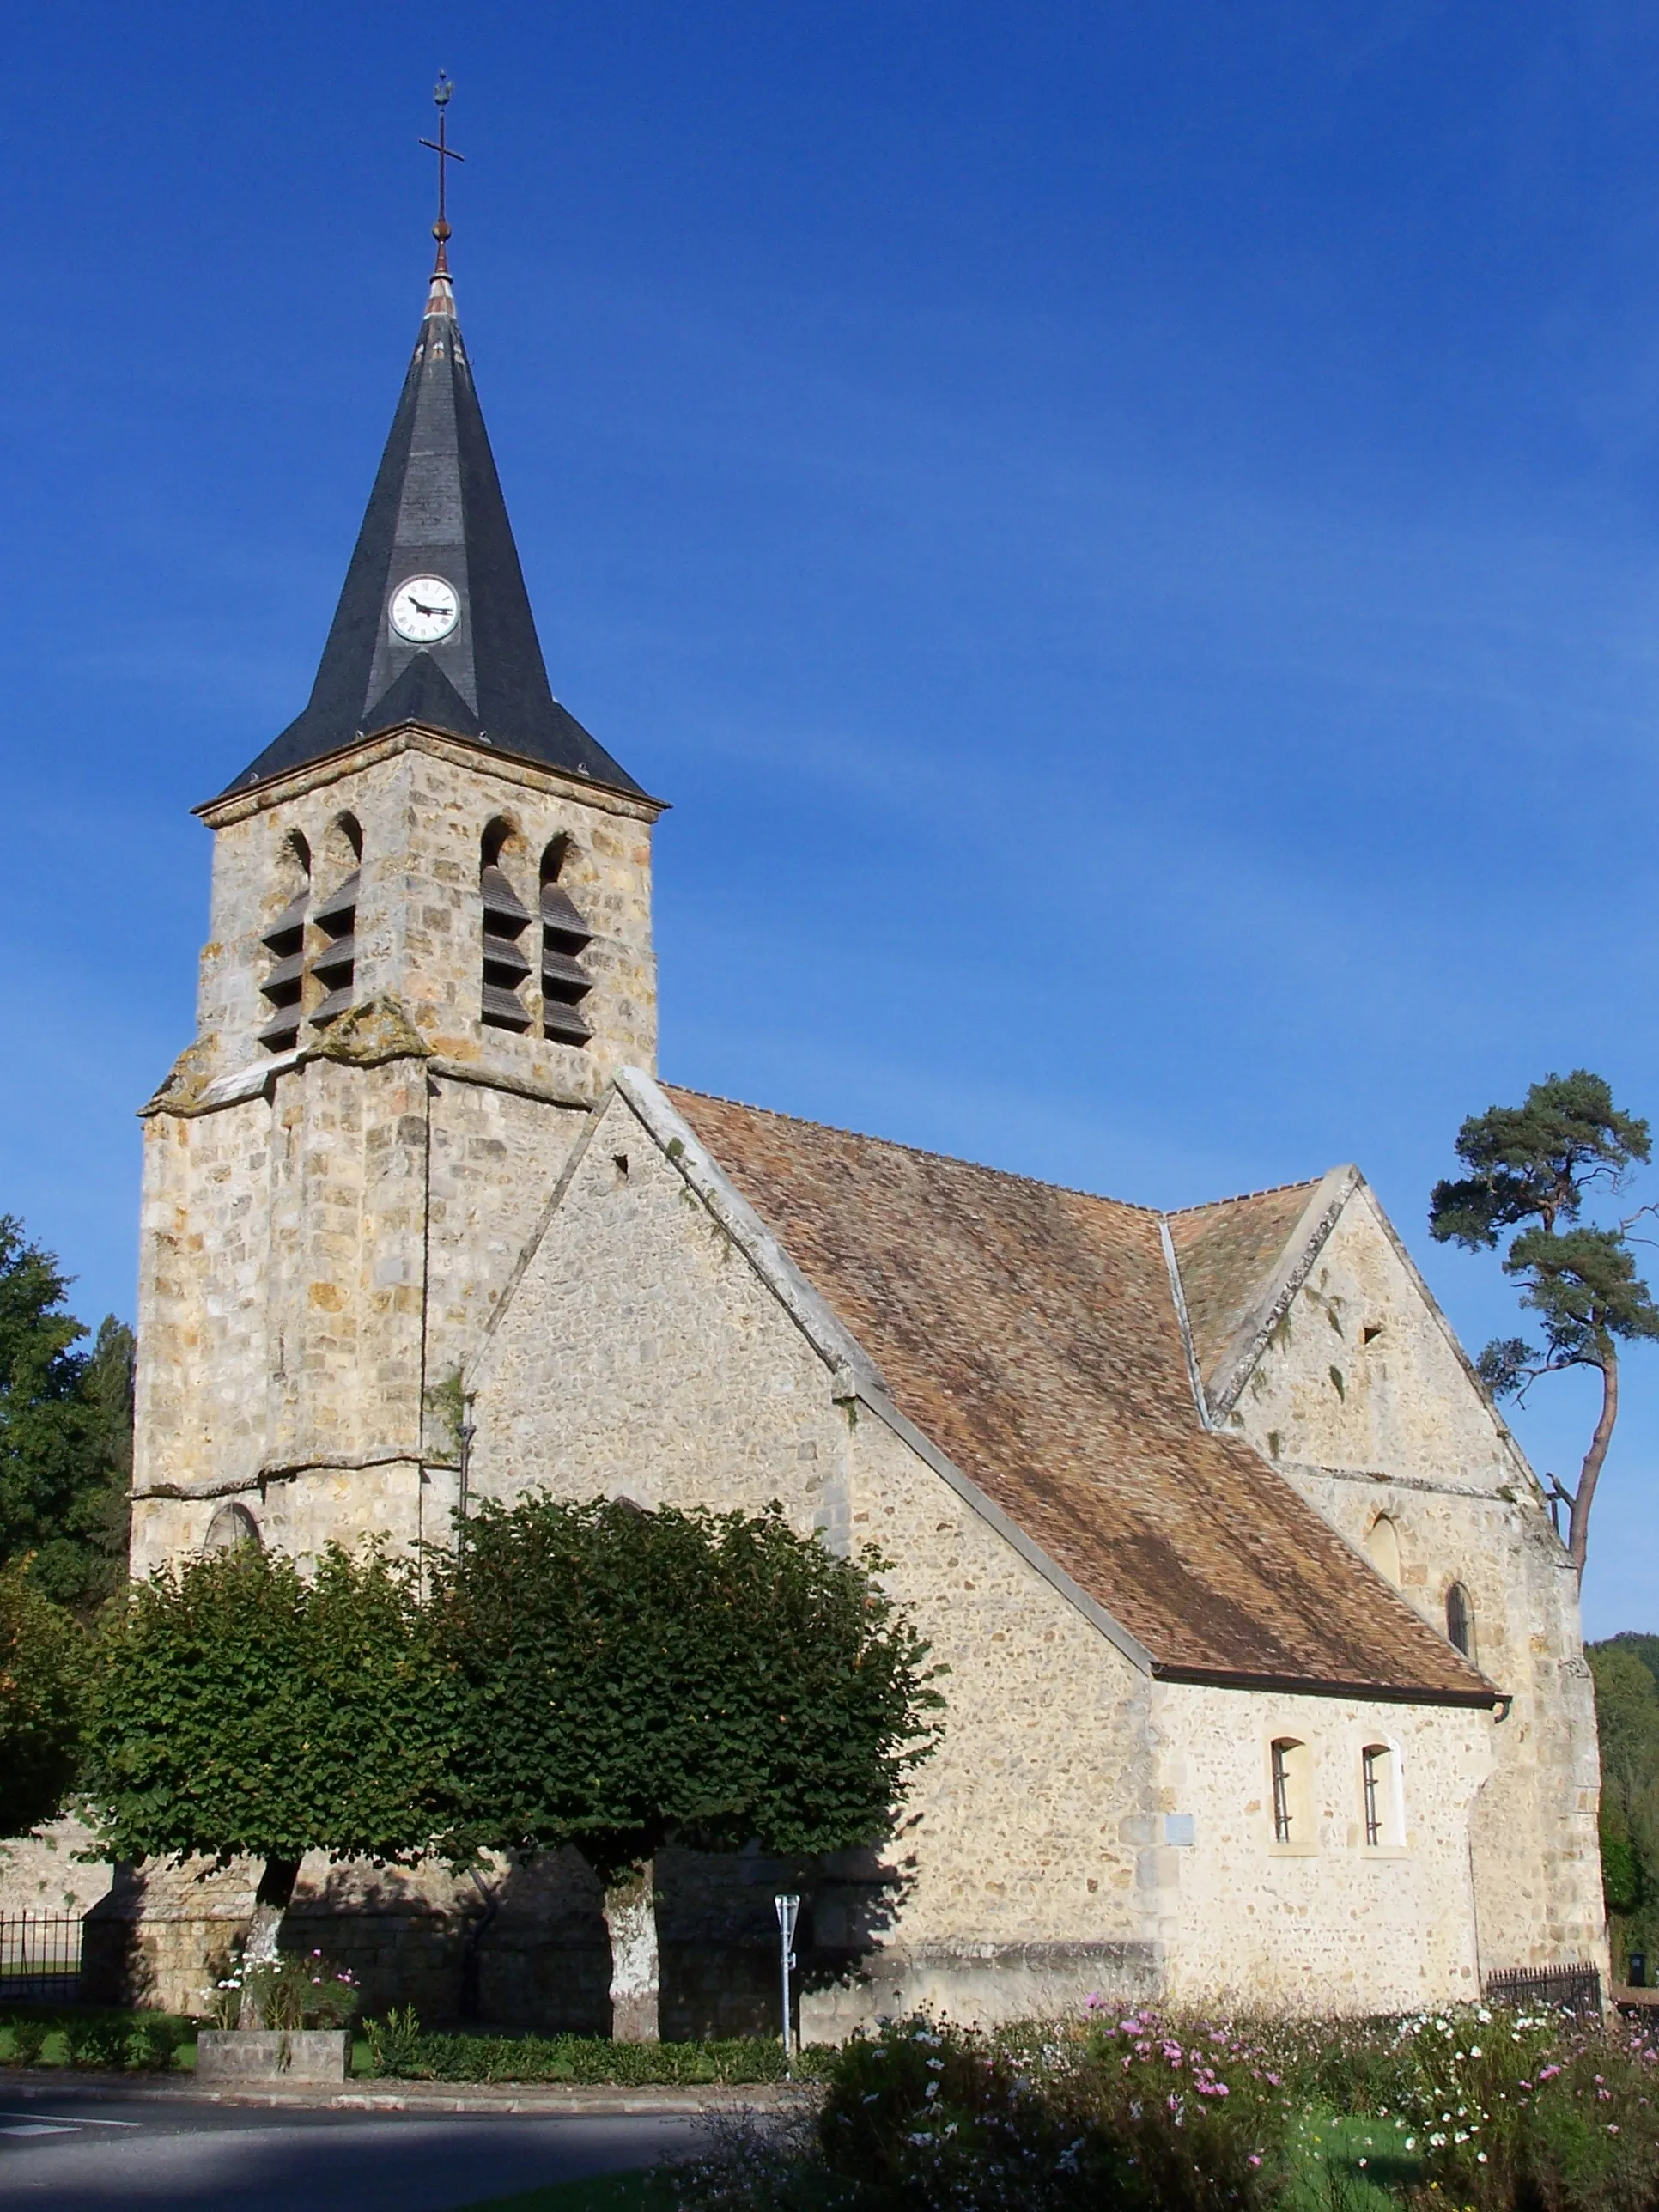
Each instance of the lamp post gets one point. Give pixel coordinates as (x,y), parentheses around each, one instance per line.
(789,1911)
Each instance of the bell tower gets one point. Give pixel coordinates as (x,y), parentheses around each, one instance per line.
(430,949)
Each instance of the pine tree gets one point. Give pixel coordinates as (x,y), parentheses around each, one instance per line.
(1531,1169)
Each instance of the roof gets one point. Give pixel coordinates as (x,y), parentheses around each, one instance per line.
(1227,1254)
(1031,1335)
(437,510)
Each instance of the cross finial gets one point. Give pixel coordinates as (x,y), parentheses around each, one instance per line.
(445,154)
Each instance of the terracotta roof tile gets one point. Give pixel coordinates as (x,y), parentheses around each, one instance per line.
(1030,1333)
(1227,1254)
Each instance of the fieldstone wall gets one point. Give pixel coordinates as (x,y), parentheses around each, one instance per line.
(1363,1403)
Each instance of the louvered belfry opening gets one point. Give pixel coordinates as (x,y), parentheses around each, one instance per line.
(565,982)
(506,963)
(285,980)
(335,964)
(284,983)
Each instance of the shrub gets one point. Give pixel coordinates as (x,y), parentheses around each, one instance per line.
(95,2041)
(399,2047)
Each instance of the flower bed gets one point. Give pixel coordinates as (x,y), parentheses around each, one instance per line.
(1482,2109)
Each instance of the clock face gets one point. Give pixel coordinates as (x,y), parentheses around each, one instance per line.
(424,610)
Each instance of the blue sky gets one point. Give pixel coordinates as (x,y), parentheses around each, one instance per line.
(1129,535)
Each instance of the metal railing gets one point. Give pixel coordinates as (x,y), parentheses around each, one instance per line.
(40,1958)
(1564,1989)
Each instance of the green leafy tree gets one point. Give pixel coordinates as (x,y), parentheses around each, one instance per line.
(1531,1168)
(1627,1727)
(65,1432)
(239,1709)
(43,1665)
(640,1678)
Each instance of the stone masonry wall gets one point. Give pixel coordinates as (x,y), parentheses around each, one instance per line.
(1329,1923)
(1406,1434)
(641,1355)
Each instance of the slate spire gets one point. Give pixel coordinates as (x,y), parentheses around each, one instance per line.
(437,521)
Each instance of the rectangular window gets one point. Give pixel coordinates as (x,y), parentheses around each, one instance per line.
(1373,1765)
(1282,1821)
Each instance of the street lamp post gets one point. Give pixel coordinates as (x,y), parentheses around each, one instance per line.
(789,1911)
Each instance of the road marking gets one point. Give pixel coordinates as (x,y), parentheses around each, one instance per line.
(36,2128)
(74,2119)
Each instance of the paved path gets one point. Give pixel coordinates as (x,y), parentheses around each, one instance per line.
(93,2151)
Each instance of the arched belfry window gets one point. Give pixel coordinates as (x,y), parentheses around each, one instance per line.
(285,941)
(334,962)
(505,919)
(565,980)
(1460,1620)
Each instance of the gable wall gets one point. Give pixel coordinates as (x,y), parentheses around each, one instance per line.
(1410,1436)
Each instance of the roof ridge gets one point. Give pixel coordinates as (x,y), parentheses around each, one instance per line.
(1238,1197)
(919,1151)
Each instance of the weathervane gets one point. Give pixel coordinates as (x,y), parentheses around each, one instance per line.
(445,154)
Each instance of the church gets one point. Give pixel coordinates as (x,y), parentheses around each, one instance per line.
(1264,1680)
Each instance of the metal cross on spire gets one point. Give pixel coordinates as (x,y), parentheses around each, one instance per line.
(445,154)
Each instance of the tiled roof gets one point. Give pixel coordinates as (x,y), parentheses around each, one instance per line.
(1227,1254)
(1030,1333)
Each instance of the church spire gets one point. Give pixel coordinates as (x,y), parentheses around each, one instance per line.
(433,623)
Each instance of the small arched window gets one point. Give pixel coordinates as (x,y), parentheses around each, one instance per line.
(1460,1620)
(1292,1799)
(1380,1788)
(506,919)
(285,941)
(334,963)
(231,1527)
(1383,1548)
(565,980)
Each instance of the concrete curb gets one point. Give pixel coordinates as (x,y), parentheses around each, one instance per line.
(483,2098)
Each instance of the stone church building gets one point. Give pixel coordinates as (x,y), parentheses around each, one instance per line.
(1265,1675)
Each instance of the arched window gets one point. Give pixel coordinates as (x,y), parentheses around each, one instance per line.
(506,919)
(1380,1786)
(1383,1548)
(231,1527)
(565,982)
(1292,1799)
(285,940)
(334,963)
(1460,1620)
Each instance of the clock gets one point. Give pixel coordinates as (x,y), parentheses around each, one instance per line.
(424,610)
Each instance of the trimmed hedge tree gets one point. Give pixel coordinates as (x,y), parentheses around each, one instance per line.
(239,1708)
(640,1678)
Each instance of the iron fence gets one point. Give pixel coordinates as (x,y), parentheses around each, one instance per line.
(41,1958)
(1565,1989)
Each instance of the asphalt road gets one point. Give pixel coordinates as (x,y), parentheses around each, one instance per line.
(90,2153)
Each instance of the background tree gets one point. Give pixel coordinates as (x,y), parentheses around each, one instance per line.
(1531,1168)
(43,1666)
(238,1709)
(641,1678)
(65,1432)
(1627,1726)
